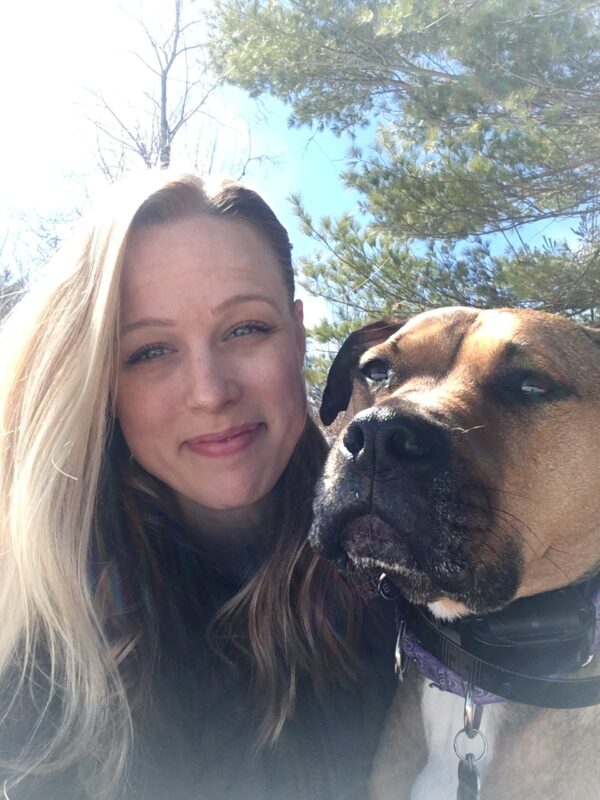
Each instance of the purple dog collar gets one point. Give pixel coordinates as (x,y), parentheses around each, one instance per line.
(447,680)
(437,650)
(441,676)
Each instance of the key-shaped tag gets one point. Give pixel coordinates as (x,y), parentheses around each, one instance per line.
(468,779)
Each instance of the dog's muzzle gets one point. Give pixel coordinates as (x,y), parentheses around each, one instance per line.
(383,466)
(396,497)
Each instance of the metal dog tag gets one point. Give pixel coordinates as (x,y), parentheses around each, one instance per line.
(468,779)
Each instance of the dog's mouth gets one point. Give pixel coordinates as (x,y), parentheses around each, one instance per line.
(433,534)
(372,544)
(368,545)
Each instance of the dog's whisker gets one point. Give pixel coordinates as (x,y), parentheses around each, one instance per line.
(558,550)
(487,545)
(467,430)
(507,492)
(520,527)
(566,575)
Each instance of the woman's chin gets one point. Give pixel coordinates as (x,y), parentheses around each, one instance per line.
(232,505)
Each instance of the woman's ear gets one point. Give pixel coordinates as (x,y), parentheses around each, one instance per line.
(300,330)
(299,311)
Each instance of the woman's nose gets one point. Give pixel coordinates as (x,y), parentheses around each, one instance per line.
(211,383)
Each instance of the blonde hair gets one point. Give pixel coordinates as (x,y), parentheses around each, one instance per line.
(57,351)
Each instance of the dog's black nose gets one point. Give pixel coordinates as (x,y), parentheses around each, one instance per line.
(384,436)
(354,438)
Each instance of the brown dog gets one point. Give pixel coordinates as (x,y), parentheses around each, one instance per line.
(470,477)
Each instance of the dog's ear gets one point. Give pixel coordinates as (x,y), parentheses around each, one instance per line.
(339,380)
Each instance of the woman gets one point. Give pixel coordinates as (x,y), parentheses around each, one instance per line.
(166,630)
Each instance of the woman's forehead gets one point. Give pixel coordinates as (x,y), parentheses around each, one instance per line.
(197,234)
(203,259)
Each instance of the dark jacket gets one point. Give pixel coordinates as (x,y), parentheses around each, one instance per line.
(198,742)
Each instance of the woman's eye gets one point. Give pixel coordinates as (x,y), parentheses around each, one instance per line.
(376,370)
(148,353)
(247,328)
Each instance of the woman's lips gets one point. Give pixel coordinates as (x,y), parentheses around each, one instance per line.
(225,443)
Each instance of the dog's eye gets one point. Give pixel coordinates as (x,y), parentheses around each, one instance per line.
(528,386)
(375,370)
(535,385)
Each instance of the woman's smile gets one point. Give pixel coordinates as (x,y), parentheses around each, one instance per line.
(225,443)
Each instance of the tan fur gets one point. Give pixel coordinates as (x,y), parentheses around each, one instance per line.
(539,754)
(560,448)
(544,465)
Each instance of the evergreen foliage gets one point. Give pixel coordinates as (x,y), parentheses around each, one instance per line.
(485,117)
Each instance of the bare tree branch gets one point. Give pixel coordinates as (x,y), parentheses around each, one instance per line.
(178,91)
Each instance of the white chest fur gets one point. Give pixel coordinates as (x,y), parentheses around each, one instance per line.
(442,719)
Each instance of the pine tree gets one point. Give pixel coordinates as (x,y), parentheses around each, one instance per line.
(485,118)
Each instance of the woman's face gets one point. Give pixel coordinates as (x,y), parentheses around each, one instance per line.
(210,394)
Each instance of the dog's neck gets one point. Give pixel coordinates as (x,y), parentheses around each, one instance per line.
(521,653)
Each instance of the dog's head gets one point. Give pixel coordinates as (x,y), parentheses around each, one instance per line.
(471,475)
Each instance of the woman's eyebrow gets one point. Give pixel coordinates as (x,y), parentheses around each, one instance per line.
(238,299)
(147,322)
